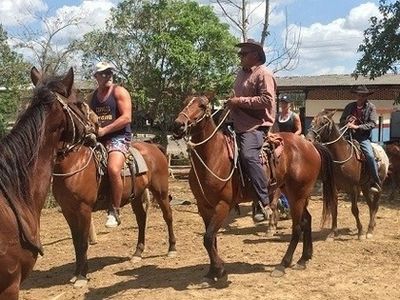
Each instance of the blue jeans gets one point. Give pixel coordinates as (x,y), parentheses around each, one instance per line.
(250,144)
(366,148)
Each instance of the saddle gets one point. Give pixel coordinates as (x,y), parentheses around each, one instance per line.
(270,152)
(134,165)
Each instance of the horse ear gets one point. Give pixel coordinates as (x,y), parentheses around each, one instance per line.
(35,76)
(331,113)
(68,80)
(210,95)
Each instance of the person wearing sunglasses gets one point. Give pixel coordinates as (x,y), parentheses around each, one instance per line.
(112,103)
(252,111)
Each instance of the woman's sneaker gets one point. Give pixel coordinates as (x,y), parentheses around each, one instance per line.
(113,219)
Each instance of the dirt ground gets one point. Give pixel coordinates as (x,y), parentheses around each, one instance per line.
(346,268)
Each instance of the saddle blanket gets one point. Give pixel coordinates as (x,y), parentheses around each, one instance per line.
(133,157)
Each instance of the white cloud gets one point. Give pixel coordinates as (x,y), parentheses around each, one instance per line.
(16,12)
(332,47)
(92,15)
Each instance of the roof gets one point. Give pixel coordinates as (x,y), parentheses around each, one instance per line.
(336,80)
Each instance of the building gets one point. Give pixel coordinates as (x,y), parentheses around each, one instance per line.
(315,93)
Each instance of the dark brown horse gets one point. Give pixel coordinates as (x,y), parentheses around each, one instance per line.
(79,189)
(350,172)
(26,164)
(216,183)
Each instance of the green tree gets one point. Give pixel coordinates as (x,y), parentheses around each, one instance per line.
(165,50)
(381,47)
(13,81)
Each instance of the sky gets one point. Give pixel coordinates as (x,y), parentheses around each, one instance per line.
(330,31)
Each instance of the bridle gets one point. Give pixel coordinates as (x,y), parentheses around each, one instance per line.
(190,124)
(74,115)
(317,136)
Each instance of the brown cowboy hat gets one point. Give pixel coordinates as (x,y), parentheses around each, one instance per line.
(362,89)
(256,45)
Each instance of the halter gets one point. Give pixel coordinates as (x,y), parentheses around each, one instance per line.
(344,129)
(72,113)
(191,146)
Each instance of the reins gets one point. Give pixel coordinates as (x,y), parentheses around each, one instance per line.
(191,146)
(343,130)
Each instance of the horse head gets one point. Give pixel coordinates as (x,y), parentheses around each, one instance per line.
(197,109)
(321,127)
(79,121)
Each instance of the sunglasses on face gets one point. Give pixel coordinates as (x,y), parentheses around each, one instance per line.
(105,74)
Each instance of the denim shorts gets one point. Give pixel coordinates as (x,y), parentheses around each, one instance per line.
(120,144)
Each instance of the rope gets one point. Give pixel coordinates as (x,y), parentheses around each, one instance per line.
(79,170)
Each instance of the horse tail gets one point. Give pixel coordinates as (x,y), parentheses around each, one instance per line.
(328,183)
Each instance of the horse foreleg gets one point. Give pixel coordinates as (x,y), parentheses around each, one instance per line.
(165,206)
(354,209)
(213,220)
(373,209)
(141,217)
(79,223)
(307,241)
(92,233)
(297,216)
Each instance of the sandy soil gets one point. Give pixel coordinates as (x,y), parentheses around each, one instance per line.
(343,269)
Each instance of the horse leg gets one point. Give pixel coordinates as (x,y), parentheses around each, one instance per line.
(296,212)
(141,217)
(163,202)
(307,241)
(213,220)
(12,291)
(79,223)
(354,210)
(373,209)
(92,233)
(273,221)
(334,210)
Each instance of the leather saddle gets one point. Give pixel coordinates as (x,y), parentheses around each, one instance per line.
(134,165)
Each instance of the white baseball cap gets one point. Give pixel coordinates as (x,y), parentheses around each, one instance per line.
(102,66)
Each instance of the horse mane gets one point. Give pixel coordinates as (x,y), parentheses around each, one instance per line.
(19,149)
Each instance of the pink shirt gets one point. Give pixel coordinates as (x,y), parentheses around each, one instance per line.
(256,89)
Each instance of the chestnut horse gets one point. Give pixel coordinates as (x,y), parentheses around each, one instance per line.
(350,172)
(26,164)
(79,189)
(216,184)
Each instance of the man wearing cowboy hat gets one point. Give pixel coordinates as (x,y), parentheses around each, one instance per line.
(252,113)
(112,103)
(361,117)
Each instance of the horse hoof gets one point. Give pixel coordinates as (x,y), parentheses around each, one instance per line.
(81,282)
(94,242)
(370,235)
(329,238)
(207,282)
(299,267)
(73,279)
(270,233)
(278,272)
(172,254)
(135,259)
(361,237)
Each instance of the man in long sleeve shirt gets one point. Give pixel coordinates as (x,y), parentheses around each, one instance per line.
(253,113)
(361,117)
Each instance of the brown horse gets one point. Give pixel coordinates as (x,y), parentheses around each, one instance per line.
(79,189)
(350,172)
(216,183)
(393,152)
(26,163)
